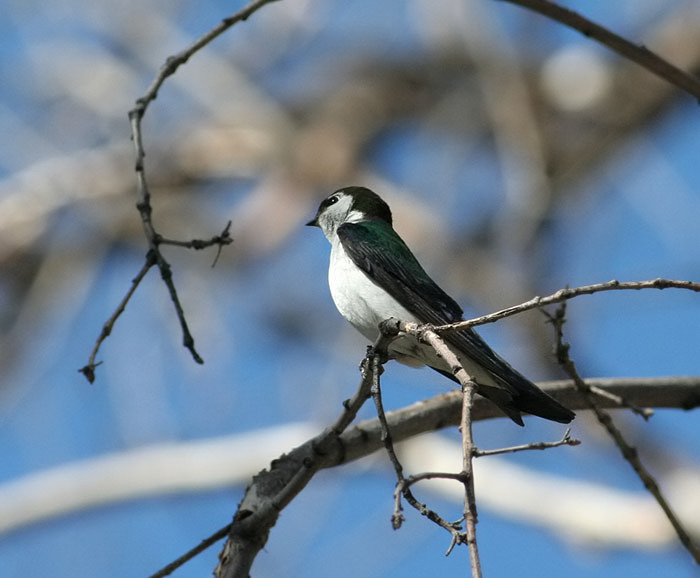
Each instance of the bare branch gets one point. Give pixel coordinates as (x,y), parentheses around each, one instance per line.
(198,549)
(569,293)
(89,370)
(143,203)
(645,412)
(436,413)
(264,498)
(468,447)
(557,321)
(444,410)
(629,453)
(223,238)
(403,488)
(174,62)
(567,440)
(636,53)
(271,490)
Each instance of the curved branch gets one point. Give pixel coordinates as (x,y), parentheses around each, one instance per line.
(636,53)
(143,202)
(143,195)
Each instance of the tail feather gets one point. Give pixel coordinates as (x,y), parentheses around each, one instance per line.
(539,403)
(521,395)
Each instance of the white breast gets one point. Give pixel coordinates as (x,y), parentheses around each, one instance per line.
(365,305)
(362,302)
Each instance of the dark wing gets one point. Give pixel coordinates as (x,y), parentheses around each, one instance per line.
(376,249)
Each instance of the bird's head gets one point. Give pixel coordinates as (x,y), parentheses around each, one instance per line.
(349,205)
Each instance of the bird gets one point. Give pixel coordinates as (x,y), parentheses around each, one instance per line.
(373,276)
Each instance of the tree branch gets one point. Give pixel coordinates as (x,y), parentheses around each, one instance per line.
(89,370)
(333,448)
(403,486)
(636,53)
(444,410)
(566,440)
(261,505)
(468,448)
(271,490)
(629,453)
(569,293)
(143,195)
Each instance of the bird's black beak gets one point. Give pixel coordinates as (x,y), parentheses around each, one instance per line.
(313,222)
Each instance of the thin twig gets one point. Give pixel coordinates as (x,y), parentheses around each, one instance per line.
(89,370)
(373,359)
(569,293)
(174,62)
(470,512)
(629,453)
(636,53)
(645,412)
(402,487)
(198,549)
(557,320)
(223,238)
(397,518)
(567,440)
(468,447)
(143,201)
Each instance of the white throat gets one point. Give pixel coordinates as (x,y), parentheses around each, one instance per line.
(361,301)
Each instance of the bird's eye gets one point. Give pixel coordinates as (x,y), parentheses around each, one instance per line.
(329,201)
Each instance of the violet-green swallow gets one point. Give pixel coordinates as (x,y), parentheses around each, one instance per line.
(374,276)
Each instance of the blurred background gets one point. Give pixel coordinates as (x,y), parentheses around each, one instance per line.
(518,157)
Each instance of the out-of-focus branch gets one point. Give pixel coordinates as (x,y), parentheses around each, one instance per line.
(636,53)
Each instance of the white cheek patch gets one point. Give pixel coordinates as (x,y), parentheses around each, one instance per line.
(355,216)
